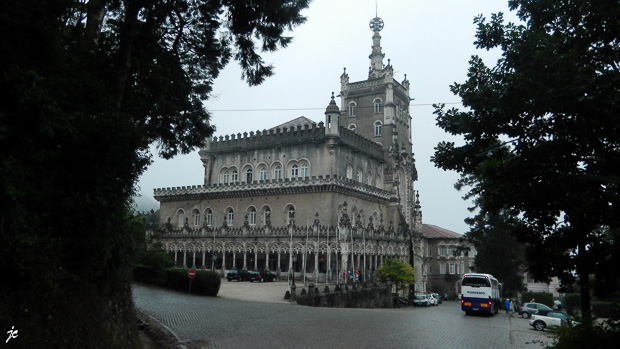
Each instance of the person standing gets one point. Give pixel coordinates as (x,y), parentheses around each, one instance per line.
(507,306)
(513,307)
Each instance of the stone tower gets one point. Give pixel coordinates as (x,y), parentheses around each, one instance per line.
(378,109)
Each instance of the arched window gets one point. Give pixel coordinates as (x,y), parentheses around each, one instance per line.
(378,105)
(230,217)
(209,217)
(226,177)
(180,218)
(351,109)
(263,173)
(294,171)
(378,128)
(196,215)
(267,215)
(359,175)
(304,170)
(277,172)
(349,172)
(352,128)
(234,176)
(369,178)
(290,215)
(248,175)
(252,216)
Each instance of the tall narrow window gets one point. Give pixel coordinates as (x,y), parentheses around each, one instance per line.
(209,218)
(378,105)
(235,176)
(180,218)
(351,109)
(226,177)
(452,269)
(263,173)
(248,175)
(349,172)
(378,128)
(294,171)
(304,170)
(442,268)
(291,215)
(277,172)
(252,216)
(230,216)
(359,175)
(196,214)
(267,216)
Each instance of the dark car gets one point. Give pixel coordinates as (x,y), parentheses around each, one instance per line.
(528,309)
(239,275)
(262,276)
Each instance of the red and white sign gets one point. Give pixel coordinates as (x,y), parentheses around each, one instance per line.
(191,274)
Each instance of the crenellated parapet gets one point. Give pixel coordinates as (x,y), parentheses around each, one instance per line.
(308,133)
(272,187)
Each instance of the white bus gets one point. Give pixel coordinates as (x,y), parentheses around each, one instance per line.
(480,293)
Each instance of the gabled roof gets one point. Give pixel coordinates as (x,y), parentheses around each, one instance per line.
(300,121)
(434,232)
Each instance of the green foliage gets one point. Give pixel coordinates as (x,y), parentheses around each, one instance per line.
(87,87)
(545,298)
(400,273)
(498,252)
(606,335)
(205,283)
(537,138)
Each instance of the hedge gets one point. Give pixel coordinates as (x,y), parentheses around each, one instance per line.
(205,283)
(540,297)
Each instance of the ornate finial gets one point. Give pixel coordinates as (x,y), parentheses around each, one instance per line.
(332,94)
(376,24)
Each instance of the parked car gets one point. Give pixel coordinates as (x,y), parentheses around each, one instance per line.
(420,301)
(552,318)
(262,276)
(528,309)
(437,297)
(239,275)
(432,300)
(443,296)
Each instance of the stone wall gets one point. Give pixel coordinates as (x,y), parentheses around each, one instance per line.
(358,295)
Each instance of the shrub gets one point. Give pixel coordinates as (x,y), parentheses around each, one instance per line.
(540,297)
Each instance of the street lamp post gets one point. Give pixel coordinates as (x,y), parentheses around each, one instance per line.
(293,286)
(213,258)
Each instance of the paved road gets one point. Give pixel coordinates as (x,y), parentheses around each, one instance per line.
(255,315)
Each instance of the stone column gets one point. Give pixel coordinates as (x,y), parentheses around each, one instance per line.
(234,264)
(267,260)
(203,258)
(245,259)
(184,256)
(316,266)
(255,259)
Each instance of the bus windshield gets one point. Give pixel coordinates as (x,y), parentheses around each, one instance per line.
(476,282)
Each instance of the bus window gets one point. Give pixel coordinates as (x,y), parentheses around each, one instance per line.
(476,282)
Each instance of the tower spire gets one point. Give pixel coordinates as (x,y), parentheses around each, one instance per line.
(376,56)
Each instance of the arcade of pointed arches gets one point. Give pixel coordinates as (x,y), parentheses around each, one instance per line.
(321,254)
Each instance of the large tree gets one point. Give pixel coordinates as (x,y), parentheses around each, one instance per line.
(498,252)
(542,137)
(87,87)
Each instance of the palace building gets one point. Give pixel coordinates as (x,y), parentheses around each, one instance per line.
(336,195)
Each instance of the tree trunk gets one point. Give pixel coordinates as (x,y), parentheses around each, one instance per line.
(584,285)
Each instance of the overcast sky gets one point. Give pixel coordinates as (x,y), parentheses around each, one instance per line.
(430,41)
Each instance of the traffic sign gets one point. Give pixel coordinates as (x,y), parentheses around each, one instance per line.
(191,273)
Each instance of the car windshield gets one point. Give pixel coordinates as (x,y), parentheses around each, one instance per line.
(419,297)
